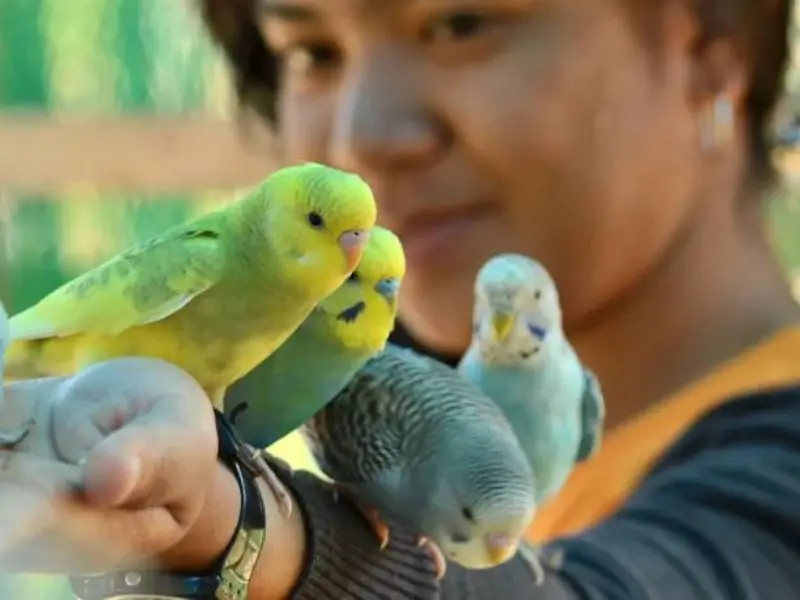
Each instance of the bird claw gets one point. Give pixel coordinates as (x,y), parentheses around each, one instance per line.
(533,561)
(10,439)
(439,562)
(254,459)
(378,526)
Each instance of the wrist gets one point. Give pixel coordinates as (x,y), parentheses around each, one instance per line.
(213,529)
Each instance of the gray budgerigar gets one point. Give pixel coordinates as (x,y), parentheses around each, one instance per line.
(415,444)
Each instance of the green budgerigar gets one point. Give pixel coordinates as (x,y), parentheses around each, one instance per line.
(521,358)
(215,296)
(413,443)
(344,331)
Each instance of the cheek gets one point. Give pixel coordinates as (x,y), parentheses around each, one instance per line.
(590,155)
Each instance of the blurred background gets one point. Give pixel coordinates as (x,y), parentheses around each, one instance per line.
(115,123)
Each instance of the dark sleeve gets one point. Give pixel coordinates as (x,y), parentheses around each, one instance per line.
(718,518)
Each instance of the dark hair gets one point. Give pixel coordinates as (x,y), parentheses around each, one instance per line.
(761,27)
(233,26)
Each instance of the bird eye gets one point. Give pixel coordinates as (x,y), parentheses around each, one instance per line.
(315,220)
(537,295)
(467,512)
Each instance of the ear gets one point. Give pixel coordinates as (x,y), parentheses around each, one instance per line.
(718,66)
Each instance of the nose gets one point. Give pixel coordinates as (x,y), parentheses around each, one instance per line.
(388,288)
(352,243)
(382,122)
(500,547)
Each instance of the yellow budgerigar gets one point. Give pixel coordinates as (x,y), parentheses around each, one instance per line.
(215,296)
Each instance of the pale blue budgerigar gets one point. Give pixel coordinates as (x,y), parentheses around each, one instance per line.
(520,357)
(8,439)
(414,444)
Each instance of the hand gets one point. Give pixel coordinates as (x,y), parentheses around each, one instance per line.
(115,470)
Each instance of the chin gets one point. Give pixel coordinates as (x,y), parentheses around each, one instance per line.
(440,333)
(438,313)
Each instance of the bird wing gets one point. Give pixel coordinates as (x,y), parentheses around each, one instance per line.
(593,415)
(142,285)
(355,439)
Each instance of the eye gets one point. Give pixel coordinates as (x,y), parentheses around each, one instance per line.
(537,295)
(308,58)
(457,26)
(315,220)
(467,513)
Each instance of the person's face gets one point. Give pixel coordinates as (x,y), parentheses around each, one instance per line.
(535,126)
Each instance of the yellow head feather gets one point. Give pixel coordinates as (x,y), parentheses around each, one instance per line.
(361,313)
(302,212)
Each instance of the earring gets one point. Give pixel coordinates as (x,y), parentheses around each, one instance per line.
(716,123)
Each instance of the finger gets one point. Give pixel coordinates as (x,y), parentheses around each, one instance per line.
(84,416)
(147,464)
(83,539)
(105,397)
(26,407)
(157,453)
(30,487)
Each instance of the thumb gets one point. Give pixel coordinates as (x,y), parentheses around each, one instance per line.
(125,468)
(152,460)
(145,428)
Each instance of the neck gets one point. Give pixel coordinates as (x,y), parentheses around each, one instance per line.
(716,295)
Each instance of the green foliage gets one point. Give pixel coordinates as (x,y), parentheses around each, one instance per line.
(85,56)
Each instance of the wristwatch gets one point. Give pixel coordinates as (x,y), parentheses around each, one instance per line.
(227,579)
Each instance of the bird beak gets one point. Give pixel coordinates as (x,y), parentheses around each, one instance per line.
(500,547)
(388,288)
(352,243)
(502,324)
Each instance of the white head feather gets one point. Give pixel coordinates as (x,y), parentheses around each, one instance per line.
(517,317)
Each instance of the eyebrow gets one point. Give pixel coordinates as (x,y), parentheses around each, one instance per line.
(290,11)
(286,11)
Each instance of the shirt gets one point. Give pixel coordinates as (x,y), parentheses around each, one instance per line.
(697,498)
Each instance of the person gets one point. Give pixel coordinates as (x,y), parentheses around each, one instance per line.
(625,145)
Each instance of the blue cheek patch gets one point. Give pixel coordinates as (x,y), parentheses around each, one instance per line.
(536,331)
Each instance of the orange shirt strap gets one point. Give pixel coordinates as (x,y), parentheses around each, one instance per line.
(597,487)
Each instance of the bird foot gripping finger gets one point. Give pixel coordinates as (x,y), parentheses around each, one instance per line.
(533,561)
(439,562)
(10,439)
(371,515)
(255,460)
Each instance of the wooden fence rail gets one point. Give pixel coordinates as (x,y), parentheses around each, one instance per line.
(42,153)
(147,154)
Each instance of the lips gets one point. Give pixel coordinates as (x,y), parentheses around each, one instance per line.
(426,234)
